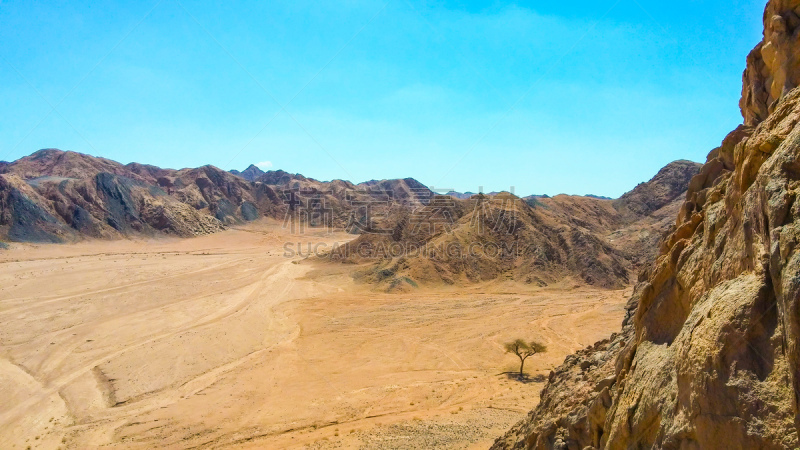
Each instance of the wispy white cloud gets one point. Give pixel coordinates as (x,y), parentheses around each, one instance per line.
(264,164)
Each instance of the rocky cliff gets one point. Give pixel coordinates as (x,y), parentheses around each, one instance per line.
(773,68)
(709,356)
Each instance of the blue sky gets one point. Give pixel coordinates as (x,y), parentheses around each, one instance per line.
(549,97)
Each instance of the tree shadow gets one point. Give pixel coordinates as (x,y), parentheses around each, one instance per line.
(525,378)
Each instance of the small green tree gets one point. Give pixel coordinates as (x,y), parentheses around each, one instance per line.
(524,350)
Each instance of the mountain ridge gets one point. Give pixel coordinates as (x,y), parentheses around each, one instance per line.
(598,241)
(62,196)
(57,196)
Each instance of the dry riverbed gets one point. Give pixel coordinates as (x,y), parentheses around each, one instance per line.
(224,341)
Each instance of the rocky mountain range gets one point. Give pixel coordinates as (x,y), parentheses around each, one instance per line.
(58,196)
(538,240)
(709,353)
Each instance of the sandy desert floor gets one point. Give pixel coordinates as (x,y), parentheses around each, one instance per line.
(224,341)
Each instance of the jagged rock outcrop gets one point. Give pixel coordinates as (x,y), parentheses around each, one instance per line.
(773,67)
(713,357)
(25,215)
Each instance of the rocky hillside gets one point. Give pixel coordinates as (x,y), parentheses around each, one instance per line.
(489,238)
(57,196)
(709,355)
(539,240)
(666,187)
(54,196)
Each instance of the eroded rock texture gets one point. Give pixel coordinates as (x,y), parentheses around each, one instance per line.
(712,357)
(58,196)
(773,67)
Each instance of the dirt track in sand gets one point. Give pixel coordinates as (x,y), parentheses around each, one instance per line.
(223,341)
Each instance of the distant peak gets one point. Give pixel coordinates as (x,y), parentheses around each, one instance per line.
(251,173)
(47,152)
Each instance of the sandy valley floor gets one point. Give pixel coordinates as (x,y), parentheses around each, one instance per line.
(222,341)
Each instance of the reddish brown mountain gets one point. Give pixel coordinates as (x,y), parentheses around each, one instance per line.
(540,240)
(56,196)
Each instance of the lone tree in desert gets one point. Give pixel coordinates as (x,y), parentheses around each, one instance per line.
(524,350)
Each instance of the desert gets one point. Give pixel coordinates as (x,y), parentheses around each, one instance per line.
(223,341)
(400,225)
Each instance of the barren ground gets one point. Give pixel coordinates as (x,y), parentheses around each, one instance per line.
(223,341)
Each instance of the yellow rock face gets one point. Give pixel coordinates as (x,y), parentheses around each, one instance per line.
(773,67)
